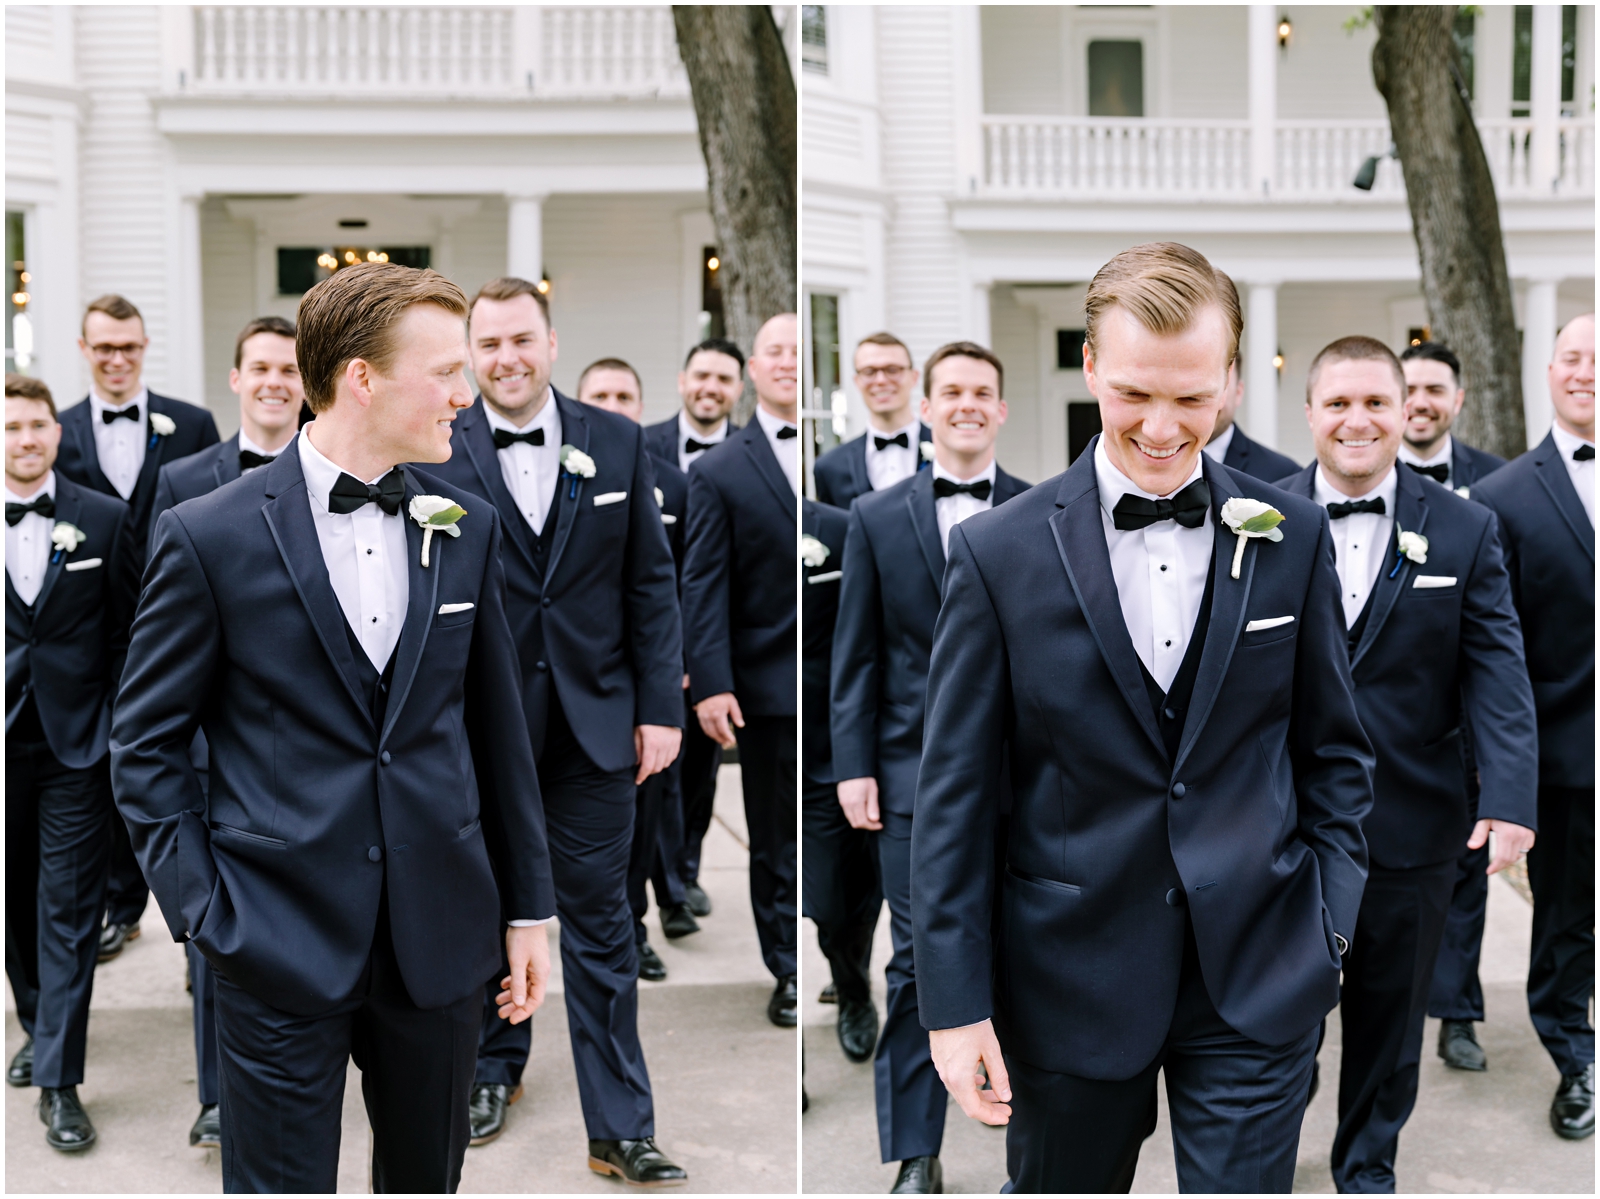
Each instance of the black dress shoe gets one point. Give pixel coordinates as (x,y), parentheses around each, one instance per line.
(20,1072)
(651,967)
(858,1029)
(678,921)
(1572,1112)
(486,1114)
(697,901)
(114,938)
(1458,1045)
(66,1124)
(830,994)
(207,1130)
(638,1163)
(781,1007)
(919,1176)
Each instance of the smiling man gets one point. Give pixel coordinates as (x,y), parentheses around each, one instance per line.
(1170,744)
(710,383)
(891,448)
(1434,399)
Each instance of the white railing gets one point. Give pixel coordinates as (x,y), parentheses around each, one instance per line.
(610,51)
(1509,147)
(1318,160)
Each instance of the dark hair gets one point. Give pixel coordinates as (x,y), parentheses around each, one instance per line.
(716,345)
(262,324)
(1355,349)
(24,387)
(1434,351)
(962,349)
(114,306)
(610,364)
(352,313)
(509,287)
(884,339)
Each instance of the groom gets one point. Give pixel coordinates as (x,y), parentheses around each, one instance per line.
(360,851)
(1187,775)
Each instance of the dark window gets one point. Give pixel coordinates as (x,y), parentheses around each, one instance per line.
(18,285)
(1416,336)
(300,268)
(712,321)
(824,363)
(1522,56)
(1069,349)
(1466,34)
(1116,79)
(814,38)
(1083,422)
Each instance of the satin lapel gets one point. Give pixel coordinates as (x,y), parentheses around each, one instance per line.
(421,604)
(154,456)
(1006,487)
(925,520)
(760,451)
(858,464)
(1411,515)
(1081,542)
(70,510)
(1229,598)
(81,430)
(225,466)
(1461,474)
(14,600)
(1553,475)
(288,515)
(478,439)
(575,432)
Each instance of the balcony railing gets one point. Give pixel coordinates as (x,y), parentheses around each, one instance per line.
(577,53)
(1095,158)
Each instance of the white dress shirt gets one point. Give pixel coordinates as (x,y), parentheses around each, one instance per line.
(1582,473)
(890,465)
(246,444)
(365,553)
(953,509)
(686,431)
(120,445)
(1442,458)
(28,543)
(1217,449)
(787,450)
(1160,571)
(1360,540)
(531,471)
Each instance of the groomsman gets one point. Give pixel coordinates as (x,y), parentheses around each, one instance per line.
(266,378)
(1230,446)
(592,599)
(1434,398)
(1171,699)
(895,445)
(71,580)
(1545,502)
(612,384)
(893,568)
(116,443)
(740,633)
(1418,567)
(348,871)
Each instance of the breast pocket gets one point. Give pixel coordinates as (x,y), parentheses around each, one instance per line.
(449,619)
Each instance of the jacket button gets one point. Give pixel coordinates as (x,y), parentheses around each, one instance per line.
(384,758)
(1175,898)
(1169,713)
(374,854)
(545,602)
(541,666)
(1178,790)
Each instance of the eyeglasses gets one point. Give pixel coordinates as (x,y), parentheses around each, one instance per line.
(891,373)
(104,353)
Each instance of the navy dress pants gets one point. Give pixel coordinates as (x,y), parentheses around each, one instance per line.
(1561,964)
(700,760)
(769,770)
(657,803)
(127,894)
(1456,993)
(203,994)
(839,889)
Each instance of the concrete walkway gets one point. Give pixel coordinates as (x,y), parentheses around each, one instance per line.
(1471,1133)
(725,1078)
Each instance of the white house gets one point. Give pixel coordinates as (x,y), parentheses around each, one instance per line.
(199,159)
(966,170)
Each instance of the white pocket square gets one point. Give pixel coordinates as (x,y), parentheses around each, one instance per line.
(1272,622)
(668,519)
(86,564)
(1426,581)
(446,609)
(829,577)
(610,497)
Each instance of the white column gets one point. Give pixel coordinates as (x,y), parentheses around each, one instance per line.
(1544,95)
(187,357)
(525,237)
(1263,39)
(978,318)
(1261,372)
(968,42)
(1538,343)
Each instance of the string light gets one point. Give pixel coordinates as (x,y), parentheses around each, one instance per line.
(20,299)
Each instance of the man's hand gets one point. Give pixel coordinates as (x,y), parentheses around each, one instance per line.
(656,746)
(957,1053)
(719,716)
(1511,841)
(528,947)
(859,799)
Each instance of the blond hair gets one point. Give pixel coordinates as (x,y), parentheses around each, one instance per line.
(1164,285)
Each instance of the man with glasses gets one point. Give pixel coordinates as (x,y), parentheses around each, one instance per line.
(116,443)
(891,448)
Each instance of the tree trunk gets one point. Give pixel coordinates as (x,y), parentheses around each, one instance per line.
(1455,217)
(744,102)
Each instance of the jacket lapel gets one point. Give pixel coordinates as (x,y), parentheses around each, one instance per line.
(1410,515)
(81,430)
(766,464)
(421,603)
(575,432)
(225,465)
(1556,480)
(478,440)
(154,455)
(70,510)
(925,520)
(858,463)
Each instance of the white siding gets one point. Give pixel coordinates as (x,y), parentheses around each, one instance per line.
(228,282)
(1208,63)
(479,246)
(1015,334)
(1022,60)
(1326,73)
(28,145)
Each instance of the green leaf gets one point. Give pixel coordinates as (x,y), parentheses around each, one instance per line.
(1269,519)
(449,516)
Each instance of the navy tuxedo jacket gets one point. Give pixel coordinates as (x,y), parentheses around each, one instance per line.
(1255,827)
(67,649)
(596,614)
(1256,460)
(893,571)
(315,808)
(80,461)
(1432,663)
(739,567)
(661,439)
(820,606)
(841,473)
(1469,466)
(1549,547)
(674,487)
(197,475)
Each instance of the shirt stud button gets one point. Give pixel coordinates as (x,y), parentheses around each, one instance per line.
(1169,645)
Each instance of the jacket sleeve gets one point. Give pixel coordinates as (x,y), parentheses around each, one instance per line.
(122,595)
(857,637)
(707,559)
(651,596)
(163,500)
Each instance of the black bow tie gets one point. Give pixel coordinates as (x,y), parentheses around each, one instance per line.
(45,506)
(691,446)
(249,459)
(1350,507)
(944,488)
(899,439)
(1584,453)
(1188,508)
(786,432)
(129,413)
(350,494)
(505,438)
(1439,473)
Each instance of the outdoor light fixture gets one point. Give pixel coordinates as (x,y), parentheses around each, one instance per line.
(1277,361)
(713,263)
(544,285)
(1285,30)
(1368,174)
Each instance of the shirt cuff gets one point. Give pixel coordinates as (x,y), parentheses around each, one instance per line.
(529,923)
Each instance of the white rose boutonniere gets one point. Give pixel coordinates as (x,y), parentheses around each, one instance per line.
(436,515)
(812,552)
(577,465)
(66,537)
(1251,518)
(162,425)
(925,448)
(661,500)
(1409,545)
